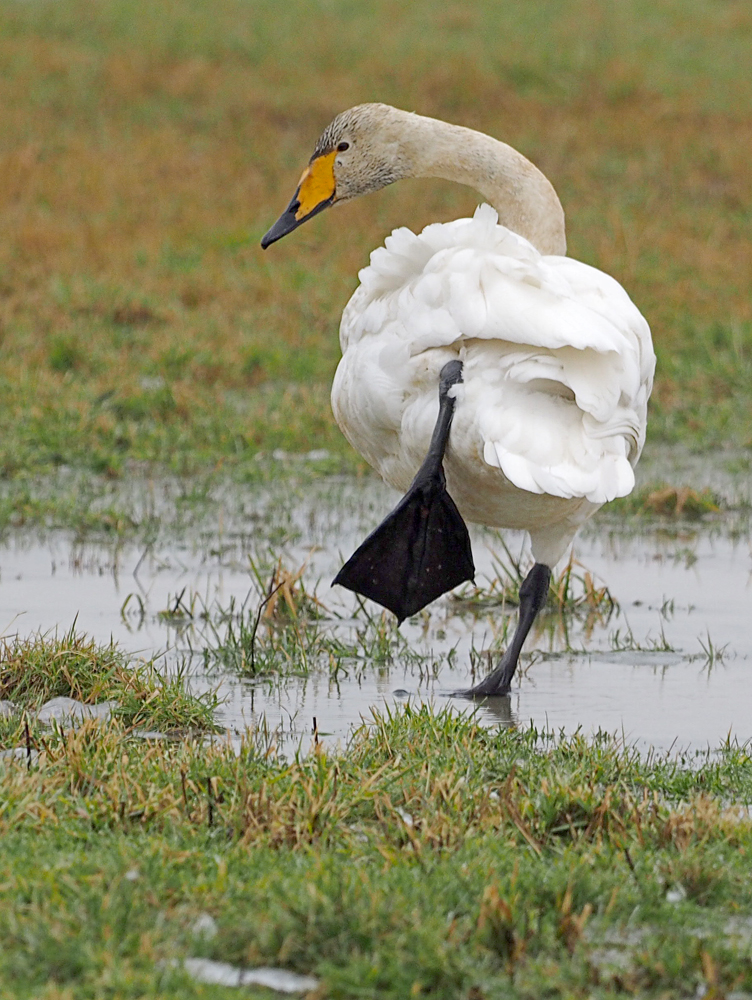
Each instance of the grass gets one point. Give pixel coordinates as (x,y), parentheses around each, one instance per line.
(33,670)
(284,629)
(428,857)
(661,501)
(143,155)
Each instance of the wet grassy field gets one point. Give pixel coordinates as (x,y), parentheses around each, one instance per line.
(427,853)
(145,339)
(144,152)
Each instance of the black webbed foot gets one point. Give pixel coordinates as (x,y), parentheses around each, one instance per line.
(419,552)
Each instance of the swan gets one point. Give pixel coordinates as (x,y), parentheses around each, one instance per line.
(484,373)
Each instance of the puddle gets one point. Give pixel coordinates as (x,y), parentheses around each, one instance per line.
(671,667)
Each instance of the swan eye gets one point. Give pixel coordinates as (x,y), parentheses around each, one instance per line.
(343,146)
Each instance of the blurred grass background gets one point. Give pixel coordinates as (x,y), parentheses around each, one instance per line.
(145,148)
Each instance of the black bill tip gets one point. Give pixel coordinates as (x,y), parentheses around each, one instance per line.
(289,220)
(284,225)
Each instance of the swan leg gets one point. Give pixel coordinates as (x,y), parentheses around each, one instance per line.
(422,549)
(533,593)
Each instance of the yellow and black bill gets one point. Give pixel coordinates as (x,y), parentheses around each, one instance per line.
(316,191)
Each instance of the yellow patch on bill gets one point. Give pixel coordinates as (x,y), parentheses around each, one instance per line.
(316,185)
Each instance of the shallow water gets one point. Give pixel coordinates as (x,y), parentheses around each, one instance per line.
(671,667)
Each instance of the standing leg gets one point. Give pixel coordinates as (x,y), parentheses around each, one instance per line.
(422,549)
(533,594)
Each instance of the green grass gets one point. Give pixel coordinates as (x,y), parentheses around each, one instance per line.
(430,857)
(144,153)
(33,670)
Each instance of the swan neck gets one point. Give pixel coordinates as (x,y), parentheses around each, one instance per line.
(521,194)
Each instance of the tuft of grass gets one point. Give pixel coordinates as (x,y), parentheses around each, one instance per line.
(665,501)
(290,631)
(33,670)
(572,590)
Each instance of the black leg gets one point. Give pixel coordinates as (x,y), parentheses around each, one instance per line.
(533,594)
(422,549)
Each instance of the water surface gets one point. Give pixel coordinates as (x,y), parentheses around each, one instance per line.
(671,666)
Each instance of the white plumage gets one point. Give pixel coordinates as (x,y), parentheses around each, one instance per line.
(557,369)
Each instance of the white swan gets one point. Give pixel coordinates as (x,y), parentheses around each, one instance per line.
(552,364)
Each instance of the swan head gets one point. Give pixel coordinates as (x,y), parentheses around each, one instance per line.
(359,152)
